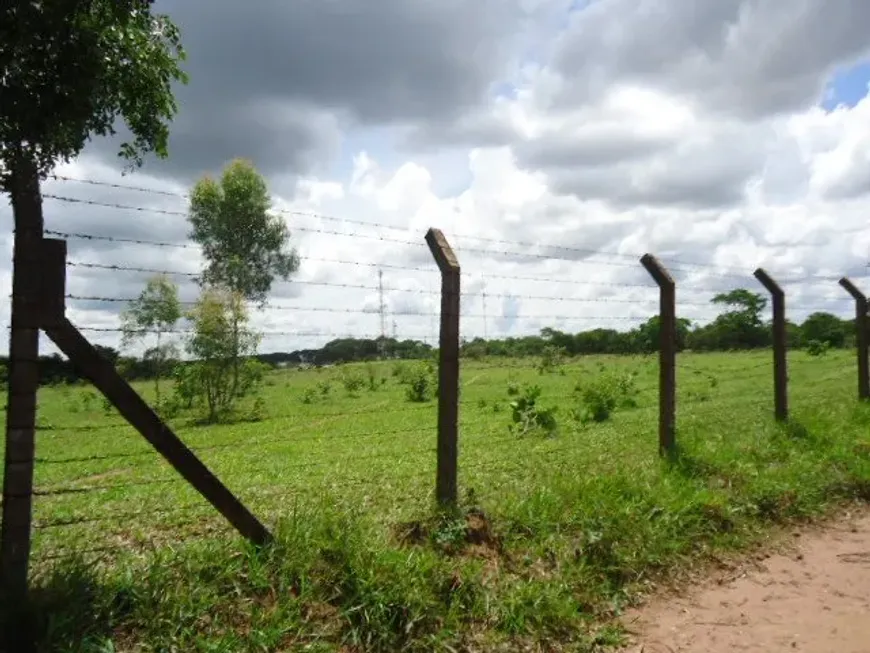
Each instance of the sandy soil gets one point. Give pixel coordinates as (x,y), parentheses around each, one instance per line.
(813,596)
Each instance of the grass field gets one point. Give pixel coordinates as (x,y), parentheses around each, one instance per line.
(564,531)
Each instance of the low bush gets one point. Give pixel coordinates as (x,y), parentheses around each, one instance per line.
(421,383)
(352,382)
(817,347)
(602,395)
(528,415)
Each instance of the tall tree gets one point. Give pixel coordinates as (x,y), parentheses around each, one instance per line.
(69,69)
(742,326)
(156,310)
(825,327)
(245,247)
(747,304)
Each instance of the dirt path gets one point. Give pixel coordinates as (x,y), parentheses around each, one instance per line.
(813,597)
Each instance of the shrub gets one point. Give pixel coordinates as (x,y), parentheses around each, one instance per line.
(170,407)
(252,376)
(817,347)
(258,410)
(551,359)
(528,415)
(513,388)
(222,345)
(399,370)
(203,383)
(375,381)
(420,383)
(352,382)
(324,387)
(309,395)
(186,389)
(88,397)
(604,394)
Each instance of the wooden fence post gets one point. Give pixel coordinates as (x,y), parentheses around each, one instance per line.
(448,369)
(106,379)
(780,372)
(862,336)
(23,383)
(667,353)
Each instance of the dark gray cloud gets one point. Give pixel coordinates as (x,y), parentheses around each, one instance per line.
(277,81)
(706,169)
(749,58)
(598,147)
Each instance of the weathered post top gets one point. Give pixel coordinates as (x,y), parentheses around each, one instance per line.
(658,272)
(853,290)
(441,250)
(767,281)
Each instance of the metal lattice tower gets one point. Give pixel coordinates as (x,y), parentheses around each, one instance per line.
(383,312)
(483,295)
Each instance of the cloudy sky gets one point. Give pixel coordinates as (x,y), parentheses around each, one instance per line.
(553,141)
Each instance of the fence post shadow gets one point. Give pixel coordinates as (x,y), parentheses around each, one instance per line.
(446,485)
(667,354)
(861,337)
(780,370)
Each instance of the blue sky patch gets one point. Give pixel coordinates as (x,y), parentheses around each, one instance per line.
(847,87)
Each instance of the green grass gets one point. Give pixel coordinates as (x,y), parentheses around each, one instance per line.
(557,533)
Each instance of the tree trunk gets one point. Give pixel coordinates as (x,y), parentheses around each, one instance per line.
(158,359)
(23,382)
(236,362)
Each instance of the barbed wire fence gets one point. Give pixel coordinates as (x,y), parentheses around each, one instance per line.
(101,490)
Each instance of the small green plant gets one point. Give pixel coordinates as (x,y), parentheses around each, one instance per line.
(324,387)
(603,395)
(450,533)
(399,370)
(170,407)
(309,395)
(88,397)
(352,383)
(374,379)
(551,359)
(420,383)
(185,376)
(108,408)
(817,348)
(257,413)
(528,415)
(513,388)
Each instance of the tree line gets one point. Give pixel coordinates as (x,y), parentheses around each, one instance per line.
(739,327)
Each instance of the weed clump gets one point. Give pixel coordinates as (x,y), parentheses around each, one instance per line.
(528,415)
(551,359)
(604,394)
(352,383)
(817,347)
(421,383)
(374,380)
